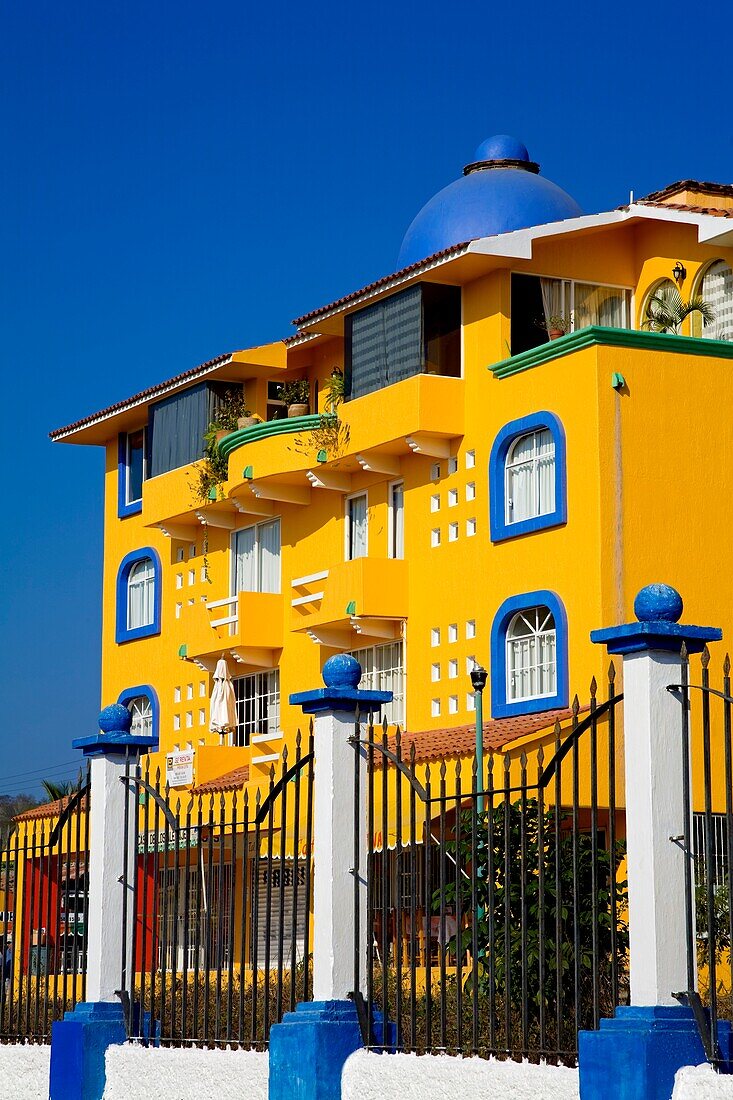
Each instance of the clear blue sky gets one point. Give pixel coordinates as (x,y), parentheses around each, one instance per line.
(178,180)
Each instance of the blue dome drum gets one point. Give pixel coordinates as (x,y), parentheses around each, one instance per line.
(500,190)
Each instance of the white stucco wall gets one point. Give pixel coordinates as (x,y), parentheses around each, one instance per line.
(171,1074)
(702,1083)
(24,1071)
(369,1076)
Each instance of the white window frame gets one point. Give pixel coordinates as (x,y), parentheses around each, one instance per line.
(258,563)
(374,678)
(568,291)
(141,709)
(541,633)
(535,462)
(267,689)
(149,580)
(391,525)
(347,525)
(128,499)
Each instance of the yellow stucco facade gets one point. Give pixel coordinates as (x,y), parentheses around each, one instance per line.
(647,470)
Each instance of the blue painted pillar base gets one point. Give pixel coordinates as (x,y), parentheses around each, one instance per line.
(78,1045)
(309,1048)
(635,1055)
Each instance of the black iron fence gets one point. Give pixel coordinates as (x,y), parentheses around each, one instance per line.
(43,930)
(497,901)
(707,760)
(221,889)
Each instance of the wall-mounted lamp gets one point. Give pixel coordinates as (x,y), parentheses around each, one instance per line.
(679,271)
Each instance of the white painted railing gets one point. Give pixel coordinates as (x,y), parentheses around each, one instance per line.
(309,597)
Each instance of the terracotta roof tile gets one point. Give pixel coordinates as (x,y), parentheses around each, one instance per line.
(444,254)
(689,185)
(143,395)
(461,740)
(230,781)
(715,211)
(48,809)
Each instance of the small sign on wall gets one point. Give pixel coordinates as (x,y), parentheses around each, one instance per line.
(179,768)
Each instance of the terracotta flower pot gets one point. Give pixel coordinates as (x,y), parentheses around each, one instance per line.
(555,333)
(297,410)
(221,433)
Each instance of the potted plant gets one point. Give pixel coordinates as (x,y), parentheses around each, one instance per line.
(246,420)
(557,326)
(296,395)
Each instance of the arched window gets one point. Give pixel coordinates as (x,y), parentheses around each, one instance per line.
(138,595)
(531,654)
(530,476)
(141,710)
(142,702)
(716,287)
(527,478)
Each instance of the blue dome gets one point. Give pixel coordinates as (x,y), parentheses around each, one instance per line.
(499,191)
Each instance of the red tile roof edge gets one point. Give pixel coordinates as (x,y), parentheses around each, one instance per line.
(689,185)
(47,809)
(136,398)
(229,781)
(713,211)
(411,269)
(459,740)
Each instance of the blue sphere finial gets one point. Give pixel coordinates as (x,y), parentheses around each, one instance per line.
(341,671)
(115,720)
(658,603)
(501,147)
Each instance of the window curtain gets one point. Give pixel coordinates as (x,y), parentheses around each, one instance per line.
(140,594)
(553,299)
(530,477)
(599,305)
(386,343)
(269,540)
(717,290)
(545,472)
(531,663)
(357,527)
(177,427)
(245,560)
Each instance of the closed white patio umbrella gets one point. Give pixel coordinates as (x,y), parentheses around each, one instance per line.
(223,709)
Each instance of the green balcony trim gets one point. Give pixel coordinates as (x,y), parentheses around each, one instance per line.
(597,336)
(287,426)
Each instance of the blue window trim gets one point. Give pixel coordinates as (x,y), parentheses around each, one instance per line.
(123,508)
(499,528)
(500,708)
(149,691)
(122,633)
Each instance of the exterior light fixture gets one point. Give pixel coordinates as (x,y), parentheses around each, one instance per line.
(679,271)
(479,676)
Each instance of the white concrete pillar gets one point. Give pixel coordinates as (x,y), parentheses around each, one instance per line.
(655,804)
(655,812)
(337,864)
(106,866)
(337,861)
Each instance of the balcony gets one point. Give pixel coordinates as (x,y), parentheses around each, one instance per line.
(352,604)
(287,459)
(248,628)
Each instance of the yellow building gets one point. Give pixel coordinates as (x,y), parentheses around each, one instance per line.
(510,463)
